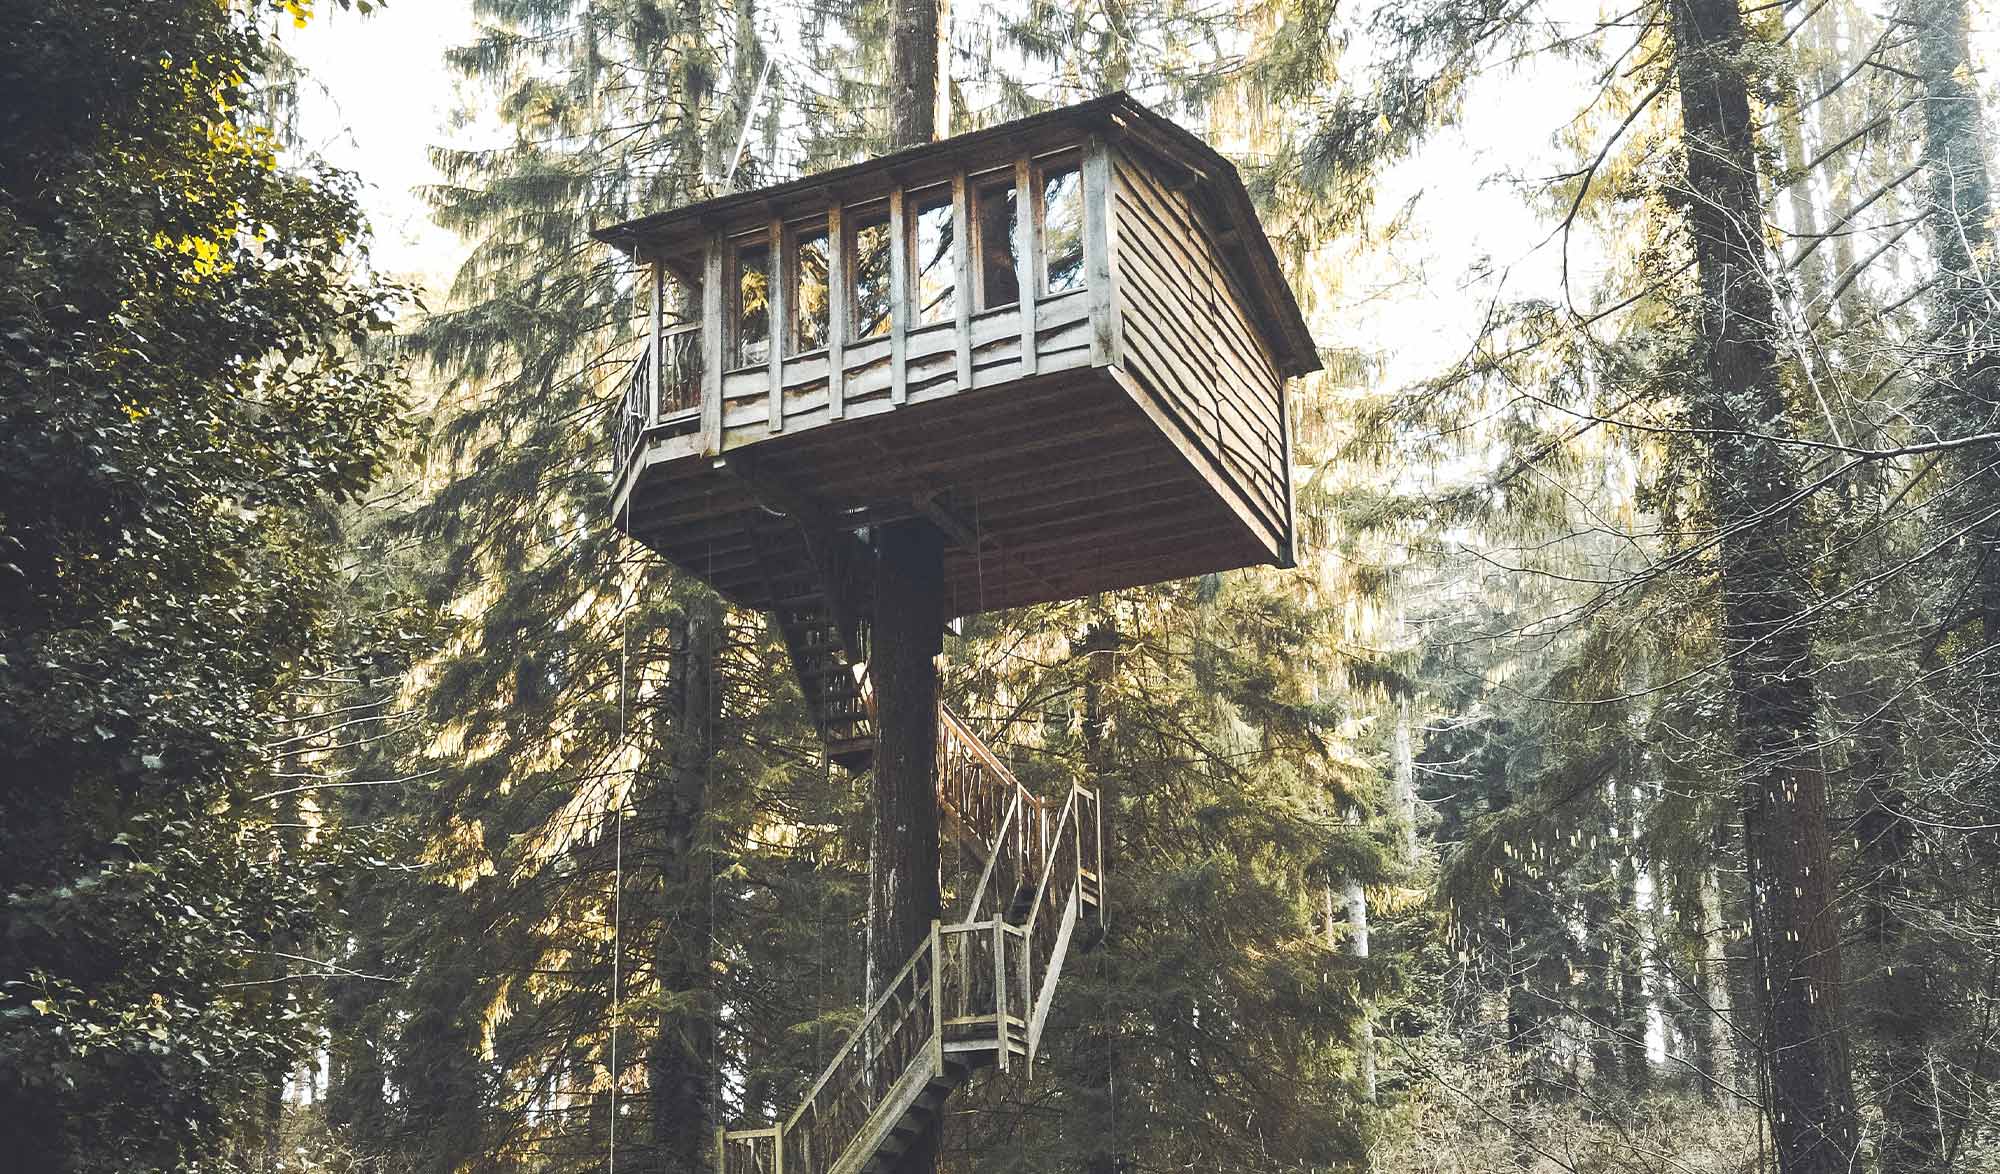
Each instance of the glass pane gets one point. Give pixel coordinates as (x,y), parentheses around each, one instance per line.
(680,371)
(812,315)
(1062,229)
(998,218)
(871,276)
(934,292)
(753,305)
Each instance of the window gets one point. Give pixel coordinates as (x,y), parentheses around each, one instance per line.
(680,341)
(870,274)
(997,216)
(812,312)
(1062,228)
(753,304)
(936,297)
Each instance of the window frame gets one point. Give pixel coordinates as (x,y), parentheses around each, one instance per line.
(794,231)
(854,218)
(733,307)
(1039,167)
(976,185)
(914,200)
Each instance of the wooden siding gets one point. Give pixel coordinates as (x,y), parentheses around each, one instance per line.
(931,369)
(1187,338)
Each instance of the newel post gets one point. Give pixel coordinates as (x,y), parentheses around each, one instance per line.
(937,999)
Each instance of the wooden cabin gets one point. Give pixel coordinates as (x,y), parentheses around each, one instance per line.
(1064,340)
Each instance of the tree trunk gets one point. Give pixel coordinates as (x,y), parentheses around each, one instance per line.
(908,634)
(679,1058)
(1963,378)
(919,109)
(1766,621)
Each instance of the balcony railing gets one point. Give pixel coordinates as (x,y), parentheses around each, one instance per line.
(674,407)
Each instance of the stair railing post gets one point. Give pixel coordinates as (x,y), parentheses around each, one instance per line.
(721,1150)
(937,1000)
(778,1149)
(1000,990)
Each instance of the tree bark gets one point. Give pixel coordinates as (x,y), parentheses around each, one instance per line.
(908,634)
(1766,621)
(680,1056)
(1963,377)
(919,109)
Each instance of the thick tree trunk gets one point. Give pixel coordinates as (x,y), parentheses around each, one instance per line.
(1766,622)
(680,1056)
(908,634)
(1963,378)
(919,109)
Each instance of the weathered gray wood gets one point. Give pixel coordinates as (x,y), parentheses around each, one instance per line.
(1098,243)
(658,332)
(778,273)
(840,300)
(961,263)
(712,342)
(1027,253)
(900,318)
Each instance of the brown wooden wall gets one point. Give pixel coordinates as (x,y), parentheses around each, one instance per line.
(1187,338)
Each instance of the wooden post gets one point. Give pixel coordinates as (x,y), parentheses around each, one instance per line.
(713,330)
(839,303)
(653,357)
(1027,257)
(1099,244)
(961,263)
(1000,988)
(777,306)
(899,297)
(937,999)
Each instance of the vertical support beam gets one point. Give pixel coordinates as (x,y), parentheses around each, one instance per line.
(961,263)
(839,304)
(1000,1033)
(657,328)
(714,338)
(1288,553)
(899,297)
(722,1149)
(937,999)
(1027,256)
(777,300)
(778,1148)
(1099,254)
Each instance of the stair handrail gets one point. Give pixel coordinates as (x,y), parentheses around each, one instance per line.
(861,1032)
(1019,832)
(1066,844)
(1022,833)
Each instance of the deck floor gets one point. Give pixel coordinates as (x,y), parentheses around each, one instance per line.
(1059,487)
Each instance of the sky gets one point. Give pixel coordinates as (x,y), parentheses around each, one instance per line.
(380,97)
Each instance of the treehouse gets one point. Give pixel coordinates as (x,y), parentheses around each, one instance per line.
(1064,341)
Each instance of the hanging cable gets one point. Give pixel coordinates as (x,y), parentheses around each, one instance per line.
(618,834)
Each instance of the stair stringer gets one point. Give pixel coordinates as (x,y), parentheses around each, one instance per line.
(904,1096)
(1046,996)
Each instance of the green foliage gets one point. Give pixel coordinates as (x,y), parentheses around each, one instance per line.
(181,345)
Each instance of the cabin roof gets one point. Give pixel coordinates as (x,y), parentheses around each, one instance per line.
(1119,116)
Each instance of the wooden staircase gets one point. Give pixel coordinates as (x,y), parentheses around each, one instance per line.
(810,585)
(976,995)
